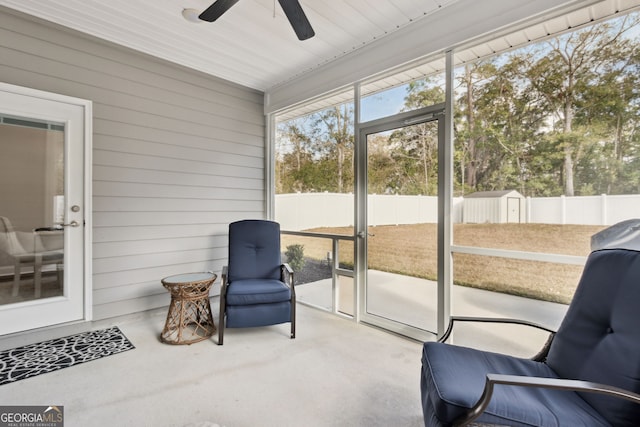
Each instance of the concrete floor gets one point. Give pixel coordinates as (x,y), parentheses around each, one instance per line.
(413,301)
(335,373)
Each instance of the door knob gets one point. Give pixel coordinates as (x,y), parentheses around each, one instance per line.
(71,224)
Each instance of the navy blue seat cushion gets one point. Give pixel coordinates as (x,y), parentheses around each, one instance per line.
(453,378)
(599,338)
(254,250)
(248,316)
(257,291)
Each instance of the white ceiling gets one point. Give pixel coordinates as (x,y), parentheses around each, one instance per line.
(248,45)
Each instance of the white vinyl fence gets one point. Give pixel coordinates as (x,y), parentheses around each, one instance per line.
(586,210)
(303,211)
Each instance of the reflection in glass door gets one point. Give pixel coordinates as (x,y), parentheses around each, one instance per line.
(400,242)
(31,235)
(42,209)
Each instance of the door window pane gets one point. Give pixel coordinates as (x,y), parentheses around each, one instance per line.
(402,188)
(31,209)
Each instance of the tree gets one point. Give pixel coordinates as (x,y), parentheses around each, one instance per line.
(471,125)
(382,174)
(294,152)
(509,120)
(336,136)
(556,117)
(414,149)
(567,67)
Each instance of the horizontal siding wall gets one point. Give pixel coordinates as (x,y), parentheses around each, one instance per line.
(177,155)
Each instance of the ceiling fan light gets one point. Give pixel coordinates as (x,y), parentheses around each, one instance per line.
(191,15)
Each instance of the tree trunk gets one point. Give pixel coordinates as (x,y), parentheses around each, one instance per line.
(568,171)
(471,145)
(568,149)
(425,155)
(341,133)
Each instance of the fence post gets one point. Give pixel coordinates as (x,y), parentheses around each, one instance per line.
(298,212)
(603,198)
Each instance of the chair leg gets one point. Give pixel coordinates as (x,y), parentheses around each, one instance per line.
(16,279)
(37,276)
(221,321)
(60,275)
(293,319)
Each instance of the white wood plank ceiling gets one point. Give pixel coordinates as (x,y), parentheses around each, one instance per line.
(252,44)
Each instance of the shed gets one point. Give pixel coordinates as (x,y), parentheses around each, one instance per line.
(495,207)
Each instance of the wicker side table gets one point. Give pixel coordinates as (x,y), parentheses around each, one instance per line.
(189,318)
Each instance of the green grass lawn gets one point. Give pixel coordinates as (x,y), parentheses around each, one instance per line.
(411,250)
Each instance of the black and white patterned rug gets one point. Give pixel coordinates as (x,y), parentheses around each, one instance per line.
(48,356)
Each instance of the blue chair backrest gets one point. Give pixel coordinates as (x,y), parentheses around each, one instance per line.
(599,338)
(254,250)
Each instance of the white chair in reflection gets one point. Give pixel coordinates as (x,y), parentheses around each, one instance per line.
(28,250)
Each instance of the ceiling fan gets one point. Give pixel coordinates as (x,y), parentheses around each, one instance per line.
(291,8)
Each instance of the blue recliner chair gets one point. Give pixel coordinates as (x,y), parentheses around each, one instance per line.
(257,288)
(588,373)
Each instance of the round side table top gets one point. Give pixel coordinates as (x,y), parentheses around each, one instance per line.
(189,278)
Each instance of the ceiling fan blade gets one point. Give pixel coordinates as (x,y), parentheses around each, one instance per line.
(297,18)
(216,10)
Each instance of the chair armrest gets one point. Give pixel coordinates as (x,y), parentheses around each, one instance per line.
(453,319)
(286,274)
(49,239)
(552,383)
(223,277)
(23,244)
(542,354)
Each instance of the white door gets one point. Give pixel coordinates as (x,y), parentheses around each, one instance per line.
(43,169)
(513,210)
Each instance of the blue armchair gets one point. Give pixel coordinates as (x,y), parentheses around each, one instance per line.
(257,288)
(588,373)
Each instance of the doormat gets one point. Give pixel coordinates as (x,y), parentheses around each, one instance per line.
(48,356)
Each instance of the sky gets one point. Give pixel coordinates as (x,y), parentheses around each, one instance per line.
(382,104)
